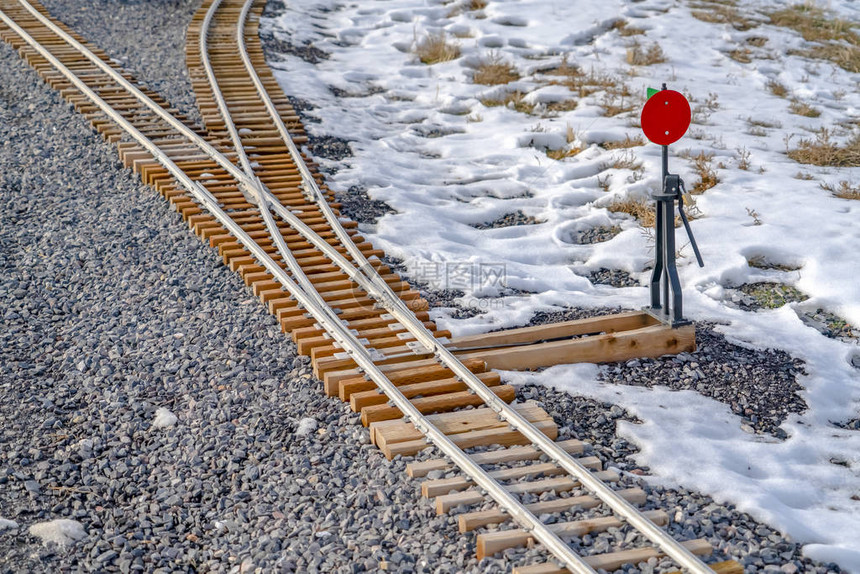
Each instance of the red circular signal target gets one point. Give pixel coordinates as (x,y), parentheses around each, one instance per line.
(665,117)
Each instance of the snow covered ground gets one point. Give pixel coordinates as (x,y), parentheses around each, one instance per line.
(448,154)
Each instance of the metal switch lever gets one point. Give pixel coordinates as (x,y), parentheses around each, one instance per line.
(676,184)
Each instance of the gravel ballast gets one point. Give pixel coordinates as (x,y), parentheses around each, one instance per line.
(114,311)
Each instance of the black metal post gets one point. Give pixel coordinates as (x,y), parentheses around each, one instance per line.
(665,275)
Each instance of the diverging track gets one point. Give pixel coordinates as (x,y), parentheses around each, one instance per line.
(244,187)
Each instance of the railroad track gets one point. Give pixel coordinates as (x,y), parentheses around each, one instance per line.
(243,186)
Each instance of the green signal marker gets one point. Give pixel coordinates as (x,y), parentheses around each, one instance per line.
(651,92)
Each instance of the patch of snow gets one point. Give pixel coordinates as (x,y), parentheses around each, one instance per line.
(163,418)
(306,426)
(61,531)
(6,524)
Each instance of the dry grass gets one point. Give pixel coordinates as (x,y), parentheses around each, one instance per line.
(618,99)
(703,165)
(625,30)
(803,109)
(764,123)
(560,106)
(641,210)
(638,208)
(638,56)
(435,48)
(757,41)
(837,40)
(846,57)
(742,55)
(512,100)
(627,142)
(494,71)
(626,159)
(722,12)
(776,88)
(743,158)
(477,4)
(844,190)
(560,154)
(804,176)
(814,24)
(823,151)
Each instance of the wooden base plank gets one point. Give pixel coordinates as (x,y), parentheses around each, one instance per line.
(438,487)
(472,520)
(614,560)
(454,423)
(446,502)
(493,542)
(361,400)
(653,341)
(527,335)
(435,404)
(513,454)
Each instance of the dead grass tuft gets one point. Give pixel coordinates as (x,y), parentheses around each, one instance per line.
(722,13)
(638,56)
(495,71)
(803,109)
(627,142)
(641,210)
(625,30)
(837,40)
(703,165)
(512,100)
(741,55)
(743,158)
(846,57)
(823,151)
(435,48)
(477,4)
(844,190)
(813,23)
(638,208)
(764,123)
(776,88)
(560,154)
(626,159)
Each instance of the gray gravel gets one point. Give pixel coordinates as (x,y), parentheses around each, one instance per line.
(613,277)
(146,38)
(508,220)
(597,234)
(760,386)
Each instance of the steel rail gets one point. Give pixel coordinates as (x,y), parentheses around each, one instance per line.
(395,306)
(259,195)
(338,331)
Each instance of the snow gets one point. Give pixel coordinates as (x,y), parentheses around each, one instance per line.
(6,524)
(163,418)
(61,531)
(425,143)
(306,426)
